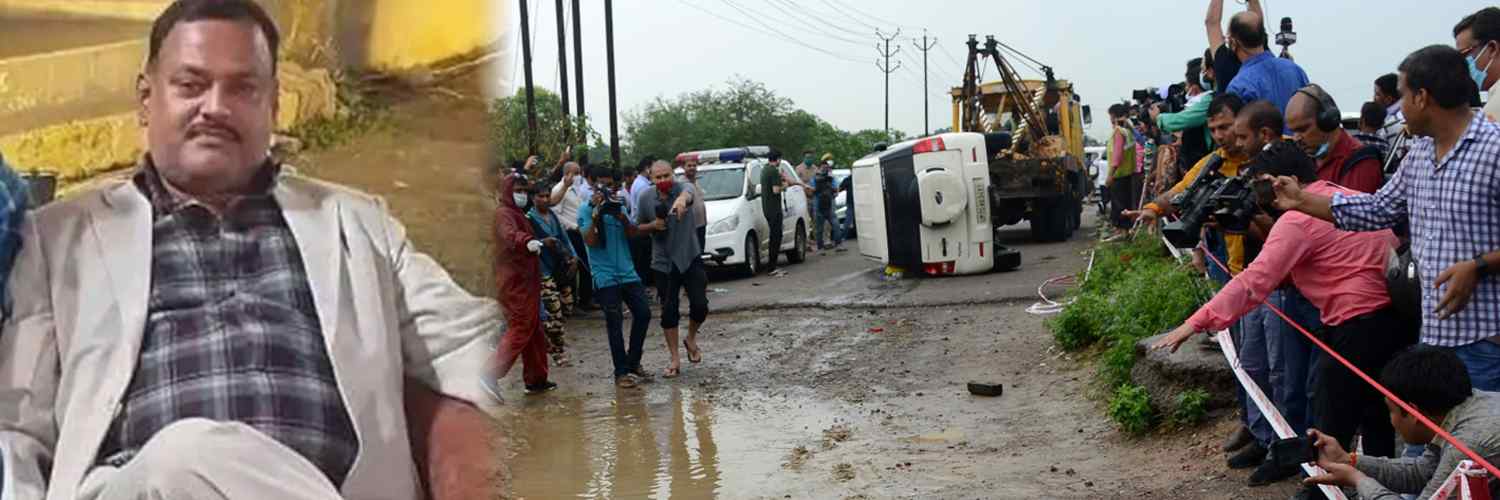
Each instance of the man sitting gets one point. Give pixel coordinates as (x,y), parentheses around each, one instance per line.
(1436,383)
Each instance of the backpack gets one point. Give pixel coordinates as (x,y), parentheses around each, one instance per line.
(1359,155)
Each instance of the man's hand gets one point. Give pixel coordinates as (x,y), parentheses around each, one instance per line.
(679,207)
(1288,192)
(659,224)
(531,162)
(1460,278)
(1174,339)
(1199,262)
(567,154)
(1145,215)
(550,243)
(1333,458)
(1155,112)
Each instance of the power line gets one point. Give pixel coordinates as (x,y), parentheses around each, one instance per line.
(867,15)
(850,16)
(814,29)
(793,4)
(774,29)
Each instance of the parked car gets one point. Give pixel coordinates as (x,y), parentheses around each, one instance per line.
(737,227)
(840,208)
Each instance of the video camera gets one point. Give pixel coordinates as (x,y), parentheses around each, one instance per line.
(613,203)
(1175,102)
(1228,201)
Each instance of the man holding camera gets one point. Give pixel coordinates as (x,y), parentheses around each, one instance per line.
(676,258)
(1449,186)
(1340,272)
(1261,75)
(1434,382)
(1314,119)
(607,231)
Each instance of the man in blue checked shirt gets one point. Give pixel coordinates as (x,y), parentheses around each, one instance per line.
(1449,186)
(14,196)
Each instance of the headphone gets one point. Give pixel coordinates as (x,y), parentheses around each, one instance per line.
(1329,116)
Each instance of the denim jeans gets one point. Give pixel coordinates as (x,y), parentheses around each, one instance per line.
(1290,355)
(633,295)
(826,218)
(1255,359)
(1483,360)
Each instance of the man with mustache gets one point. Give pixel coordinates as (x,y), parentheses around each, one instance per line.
(217,326)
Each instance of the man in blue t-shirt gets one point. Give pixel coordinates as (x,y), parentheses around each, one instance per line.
(1262,76)
(607,232)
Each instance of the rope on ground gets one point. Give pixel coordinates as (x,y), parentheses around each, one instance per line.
(1049,306)
(1457,445)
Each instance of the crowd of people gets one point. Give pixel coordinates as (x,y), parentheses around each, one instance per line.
(577,240)
(1418,179)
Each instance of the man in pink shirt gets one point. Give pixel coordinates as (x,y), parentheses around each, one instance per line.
(1340,272)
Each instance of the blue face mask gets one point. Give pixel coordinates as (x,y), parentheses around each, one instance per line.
(1479,75)
(1322,151)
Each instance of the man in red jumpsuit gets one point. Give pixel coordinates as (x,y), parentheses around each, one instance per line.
(518,280)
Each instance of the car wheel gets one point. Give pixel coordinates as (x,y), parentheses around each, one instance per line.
(799,253)
(1051,221)
(751,267)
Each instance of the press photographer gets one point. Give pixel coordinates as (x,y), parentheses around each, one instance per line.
(1340,272)
(1191,120)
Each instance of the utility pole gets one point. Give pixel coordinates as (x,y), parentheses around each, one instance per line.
(924,47)
(609,55)
(562,68)
(526,67)
(578,60)
(885,52)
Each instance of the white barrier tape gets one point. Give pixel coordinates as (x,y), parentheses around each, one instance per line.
(1278,423)
(1176,252)
(1468,481)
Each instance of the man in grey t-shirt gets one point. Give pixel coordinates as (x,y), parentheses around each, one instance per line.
(676,258)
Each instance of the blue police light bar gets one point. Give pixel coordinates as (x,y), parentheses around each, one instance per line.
(726,155)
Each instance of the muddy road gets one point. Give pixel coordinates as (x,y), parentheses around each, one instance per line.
(827,383)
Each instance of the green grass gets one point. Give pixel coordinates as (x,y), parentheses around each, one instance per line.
(1131,409)
(1192,407)
(358,113)
(1134,291)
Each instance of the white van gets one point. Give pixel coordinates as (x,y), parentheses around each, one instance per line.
(737,227)
(924,205)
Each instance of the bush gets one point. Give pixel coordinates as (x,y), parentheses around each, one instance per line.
(1192,406)
(1131,409)
(1135,290)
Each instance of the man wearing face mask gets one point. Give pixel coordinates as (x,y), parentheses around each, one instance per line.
(676,257)
(518,277)
(1192,121)
(1313,118)
(1477,37)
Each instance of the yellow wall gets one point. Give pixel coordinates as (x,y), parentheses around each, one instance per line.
(402,34)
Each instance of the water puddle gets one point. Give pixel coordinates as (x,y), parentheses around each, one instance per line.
(663,443)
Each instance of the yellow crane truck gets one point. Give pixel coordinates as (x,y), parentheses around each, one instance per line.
(1034,137)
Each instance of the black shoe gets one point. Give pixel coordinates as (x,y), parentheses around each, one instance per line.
(1308,493)
(534,389)
(1269,473)
(1249,456)
(1239,439)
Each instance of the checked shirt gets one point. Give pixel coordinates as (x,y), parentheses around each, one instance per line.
(232,332)
(1454,206)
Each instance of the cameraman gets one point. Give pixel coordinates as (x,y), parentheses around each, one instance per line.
(1433,381)
(1343,274)
(1261,75)
(1222,111)
(1192,121)
(607,231)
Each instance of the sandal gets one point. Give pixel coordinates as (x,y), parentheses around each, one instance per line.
(625,382)
(671,372)
(694,355)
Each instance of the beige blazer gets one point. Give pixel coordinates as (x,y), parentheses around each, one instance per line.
(79,292)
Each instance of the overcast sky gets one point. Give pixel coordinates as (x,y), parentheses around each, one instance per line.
(823,57)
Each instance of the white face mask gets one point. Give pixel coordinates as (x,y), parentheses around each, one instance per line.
(520,199)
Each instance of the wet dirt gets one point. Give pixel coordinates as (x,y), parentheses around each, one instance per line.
(795,399)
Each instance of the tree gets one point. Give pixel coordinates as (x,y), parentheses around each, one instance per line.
(508,130)
(745,113)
